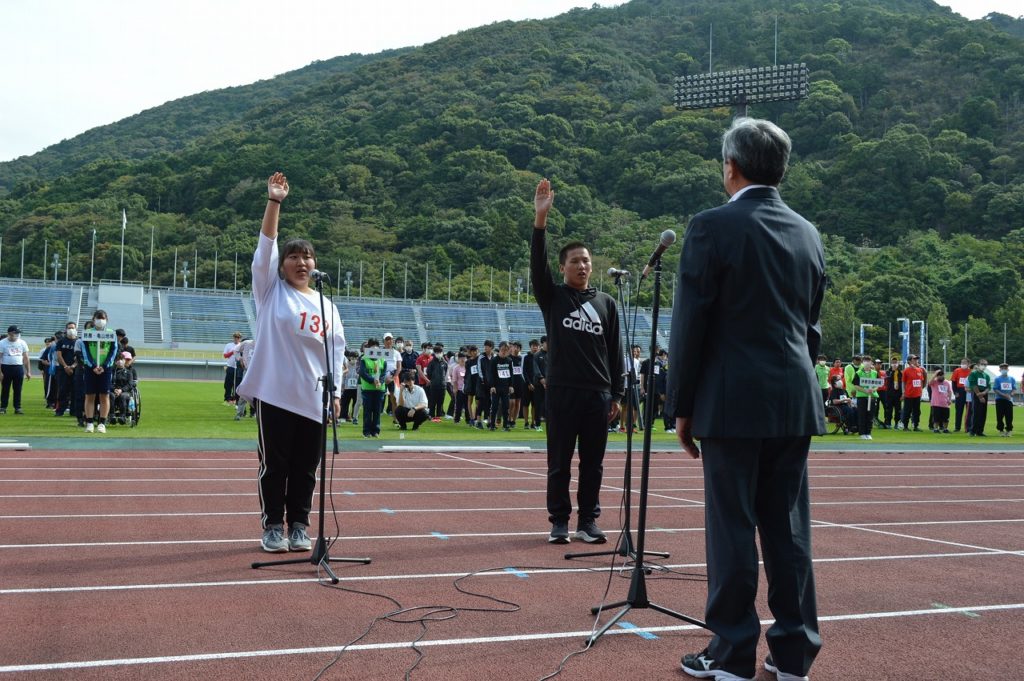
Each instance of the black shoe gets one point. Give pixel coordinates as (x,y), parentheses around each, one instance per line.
(480,425)
(559,532)
(18,411)
(916,429)
(700,665)
(505,428)
(588,531)
(404,427)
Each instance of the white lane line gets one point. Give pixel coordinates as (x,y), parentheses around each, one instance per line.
(928,540)
(604,485)
(450,575)
(477,640)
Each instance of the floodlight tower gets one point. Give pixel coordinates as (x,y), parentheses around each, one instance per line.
(862,327)
(741,87)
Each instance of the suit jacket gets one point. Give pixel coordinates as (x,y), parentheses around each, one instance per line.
(745,321)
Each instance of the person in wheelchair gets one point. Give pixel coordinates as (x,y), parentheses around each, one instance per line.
(123,388)
(840,408)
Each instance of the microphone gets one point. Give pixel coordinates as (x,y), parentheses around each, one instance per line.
(668,237)
(612,272)
(321,276)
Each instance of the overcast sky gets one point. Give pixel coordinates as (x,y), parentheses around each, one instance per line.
(72,65)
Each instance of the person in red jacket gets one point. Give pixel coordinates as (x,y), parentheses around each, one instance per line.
(913,385)
(959,380)
(836,370)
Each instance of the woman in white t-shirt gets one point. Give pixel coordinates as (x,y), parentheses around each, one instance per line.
(284,377)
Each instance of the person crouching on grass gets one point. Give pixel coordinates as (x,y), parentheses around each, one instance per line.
(283,376)
(412,403)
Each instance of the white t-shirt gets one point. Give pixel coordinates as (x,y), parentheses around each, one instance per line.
(13,352)
(413,398)
(231,355)
(289,357)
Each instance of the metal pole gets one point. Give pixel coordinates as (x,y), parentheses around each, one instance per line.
(965,339)
(234,283)
(22,275)
(67,265)
(1004,342)
(339,271)
(152,233)
(360,278)
(123,230)
(174,270)
(405,286)
(888,351)
(426,282)
(216,258)
(382,265)
(46,244)
(449,282)
(490,290)
(853,339)
(472,271)
(195,270)
(508,296)
(92,258)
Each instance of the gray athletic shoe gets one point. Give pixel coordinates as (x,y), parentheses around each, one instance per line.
(273,539)
(298,540)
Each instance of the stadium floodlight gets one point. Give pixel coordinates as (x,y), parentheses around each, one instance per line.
(740,87)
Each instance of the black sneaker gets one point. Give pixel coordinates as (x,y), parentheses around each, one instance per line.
(589,532)
(559,532)
(701,665)
(769,666)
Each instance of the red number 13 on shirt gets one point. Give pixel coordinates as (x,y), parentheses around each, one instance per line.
(314,324)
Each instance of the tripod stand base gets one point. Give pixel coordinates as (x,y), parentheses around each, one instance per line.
(319,557)
(625,549)
(629,606)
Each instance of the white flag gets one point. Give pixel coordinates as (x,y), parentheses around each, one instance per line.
(124,220)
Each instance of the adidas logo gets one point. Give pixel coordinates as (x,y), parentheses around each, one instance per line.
(584,319)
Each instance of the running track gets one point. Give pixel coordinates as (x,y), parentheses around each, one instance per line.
(137,566)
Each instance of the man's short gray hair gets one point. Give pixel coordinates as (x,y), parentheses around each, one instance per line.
(759,148)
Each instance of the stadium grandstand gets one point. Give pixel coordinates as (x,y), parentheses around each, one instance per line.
(204,319)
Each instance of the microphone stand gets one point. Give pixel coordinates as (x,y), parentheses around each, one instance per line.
(637,597)
(320,555)
(625,546)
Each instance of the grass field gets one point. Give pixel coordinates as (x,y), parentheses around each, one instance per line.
(194,409)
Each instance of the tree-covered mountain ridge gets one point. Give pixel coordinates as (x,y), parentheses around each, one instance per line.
(910,144)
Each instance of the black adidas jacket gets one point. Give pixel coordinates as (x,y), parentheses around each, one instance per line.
(584,344)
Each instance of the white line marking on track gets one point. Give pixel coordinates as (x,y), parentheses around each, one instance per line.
(930,540)
(448,575)
(479,640)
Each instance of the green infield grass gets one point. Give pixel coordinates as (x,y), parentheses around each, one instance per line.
(194,410)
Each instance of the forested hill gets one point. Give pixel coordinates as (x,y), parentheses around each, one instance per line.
(174,125)
(909,155)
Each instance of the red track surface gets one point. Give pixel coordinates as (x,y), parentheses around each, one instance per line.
(137,566)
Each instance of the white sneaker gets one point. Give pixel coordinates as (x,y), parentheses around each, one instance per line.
(865,437)
(89,427)
(101,428)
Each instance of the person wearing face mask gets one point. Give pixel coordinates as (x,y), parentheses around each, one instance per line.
(838,397)
(865,397)
(123,381)
(16,367)
(284,377)
(913,388)
(437,375)
(941,393)
(66,365)
(893,394)
(392,360)
(584,375)
(99,350)
(959,381)
(1004,387)
(821,371)
(979,384)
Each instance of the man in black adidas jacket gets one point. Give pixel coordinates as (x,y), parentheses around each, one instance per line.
(584,375)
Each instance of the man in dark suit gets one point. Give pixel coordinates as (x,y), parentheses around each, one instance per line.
(748,296)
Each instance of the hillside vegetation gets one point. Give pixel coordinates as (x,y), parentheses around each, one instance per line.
(909,156)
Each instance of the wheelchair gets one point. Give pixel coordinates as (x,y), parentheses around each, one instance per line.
(836,422)
(126,408)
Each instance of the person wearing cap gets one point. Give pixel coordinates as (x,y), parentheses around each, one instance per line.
(978,384)
(1004,387)
(124,346)
(392,360)
(913,387)
(122,382)
(230,364)
(15,366)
